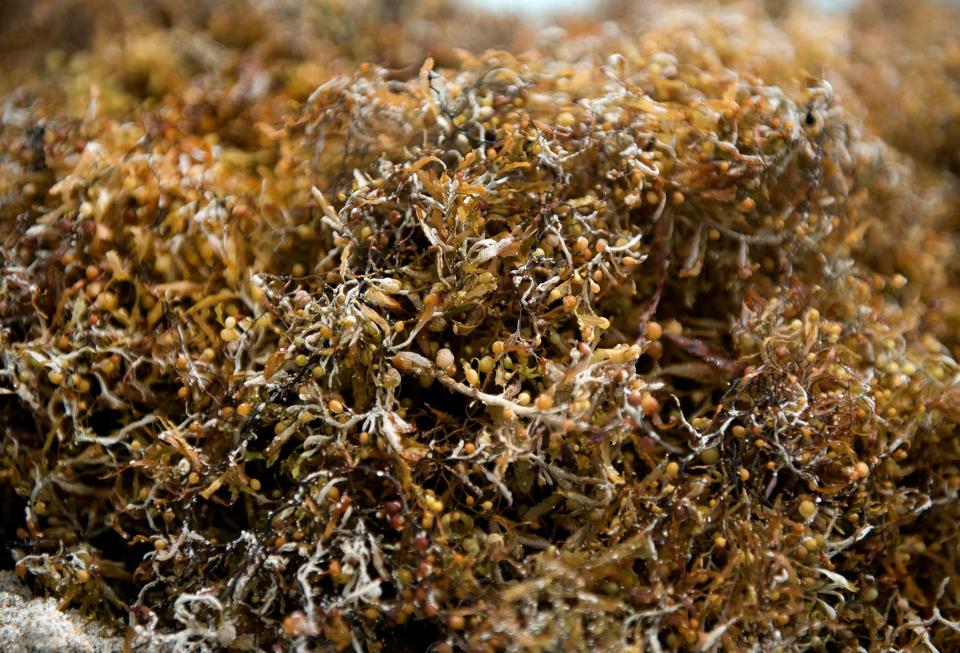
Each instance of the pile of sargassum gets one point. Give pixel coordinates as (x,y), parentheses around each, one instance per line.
(633,339)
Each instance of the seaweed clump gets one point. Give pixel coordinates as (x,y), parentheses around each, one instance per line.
(566,350)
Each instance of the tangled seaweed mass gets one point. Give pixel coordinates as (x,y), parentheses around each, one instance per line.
(639,338)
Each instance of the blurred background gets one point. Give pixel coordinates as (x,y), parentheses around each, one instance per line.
(897,62)
(547,7)
(900,54)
